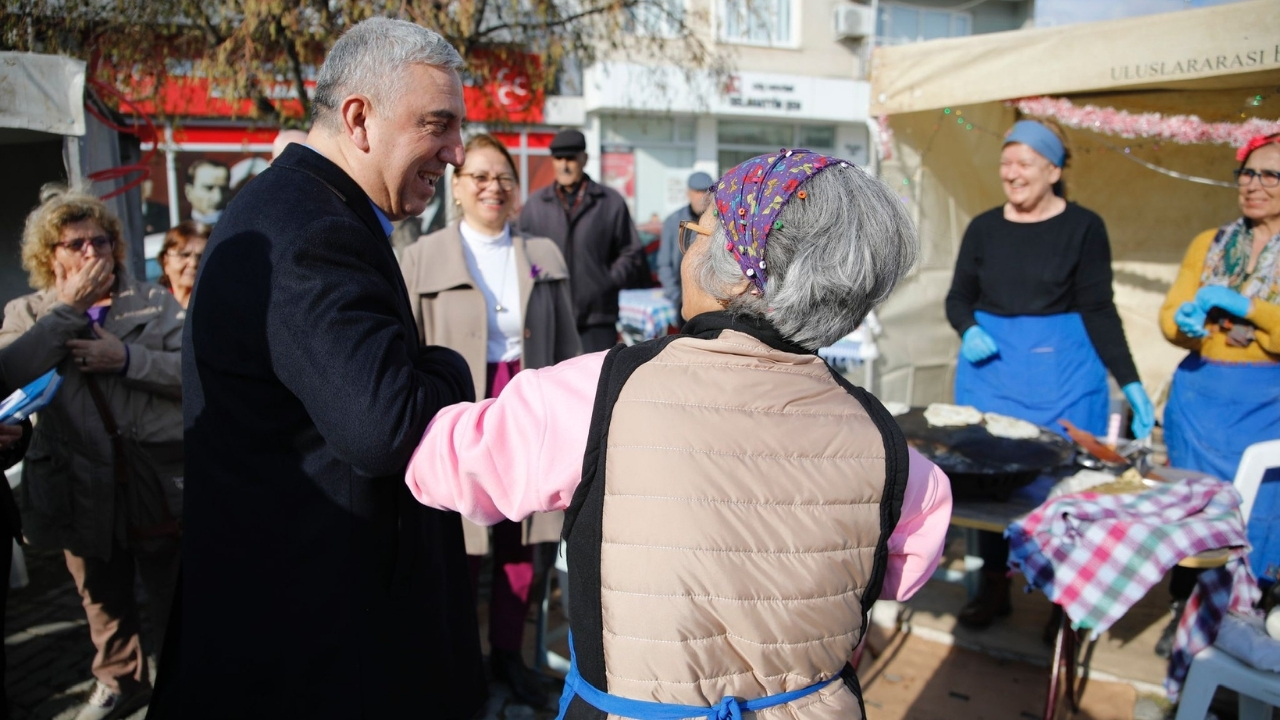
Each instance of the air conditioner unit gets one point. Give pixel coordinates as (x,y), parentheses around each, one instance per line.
(854,21)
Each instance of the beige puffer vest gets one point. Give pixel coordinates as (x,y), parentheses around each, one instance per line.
(740,526)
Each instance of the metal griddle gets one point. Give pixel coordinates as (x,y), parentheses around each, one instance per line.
(979,464)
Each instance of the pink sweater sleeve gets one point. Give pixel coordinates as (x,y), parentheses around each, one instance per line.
(512,456)
(522,453)
(917,543)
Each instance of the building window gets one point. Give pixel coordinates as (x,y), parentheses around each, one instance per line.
(901,23)
(770,23)
(739,140)
(648,159)
(656,18)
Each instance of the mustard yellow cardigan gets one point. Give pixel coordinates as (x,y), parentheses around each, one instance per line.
(1265,315)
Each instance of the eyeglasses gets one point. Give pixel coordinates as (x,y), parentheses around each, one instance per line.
(1266,178)
(185,255)
(482,180)
(101,244)
(690,231)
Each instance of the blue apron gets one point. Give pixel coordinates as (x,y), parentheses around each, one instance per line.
(1046,369)
(727,709)
(1215,411)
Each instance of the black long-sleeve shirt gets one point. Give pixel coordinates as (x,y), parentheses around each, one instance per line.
(1054,266)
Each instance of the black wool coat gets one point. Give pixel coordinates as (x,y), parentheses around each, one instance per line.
(599,243)
(314,585)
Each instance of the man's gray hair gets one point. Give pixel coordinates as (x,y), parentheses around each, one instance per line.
(837,254)
(370,59)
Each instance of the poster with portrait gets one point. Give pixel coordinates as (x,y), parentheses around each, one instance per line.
(201,185)
(207,180)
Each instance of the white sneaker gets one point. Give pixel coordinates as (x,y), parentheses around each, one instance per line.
(107,704)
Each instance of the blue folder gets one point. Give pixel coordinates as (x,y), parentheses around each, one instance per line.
(22,403)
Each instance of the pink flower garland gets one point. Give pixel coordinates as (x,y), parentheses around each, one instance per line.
(1181,129)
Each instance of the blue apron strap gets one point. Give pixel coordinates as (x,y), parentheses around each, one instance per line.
(729,708)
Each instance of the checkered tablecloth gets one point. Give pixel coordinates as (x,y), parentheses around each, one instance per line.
(647,311)
(1096,555)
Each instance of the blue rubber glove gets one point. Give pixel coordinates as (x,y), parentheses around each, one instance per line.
(976,345)
(1190,320)
(1144,413)
(1212,296)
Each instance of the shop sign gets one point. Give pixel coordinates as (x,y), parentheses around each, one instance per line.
(666,89)
(757,92)
(509,97)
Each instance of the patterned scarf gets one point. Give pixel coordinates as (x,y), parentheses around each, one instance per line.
(751,196)
(1227,263)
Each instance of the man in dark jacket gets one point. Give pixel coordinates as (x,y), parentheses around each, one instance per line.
(313,584)
(669,255)
(593,228)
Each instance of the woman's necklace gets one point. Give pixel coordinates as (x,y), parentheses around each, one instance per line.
(506,265)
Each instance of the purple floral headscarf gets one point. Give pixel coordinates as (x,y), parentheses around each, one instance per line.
(751,196)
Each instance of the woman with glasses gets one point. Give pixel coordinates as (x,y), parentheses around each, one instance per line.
(1225,308)
(180,258)
(101,480)
(501,300)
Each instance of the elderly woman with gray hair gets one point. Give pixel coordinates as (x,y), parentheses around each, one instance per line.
(734,506)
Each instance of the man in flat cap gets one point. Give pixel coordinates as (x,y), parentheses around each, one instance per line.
(669,254)
(593,228)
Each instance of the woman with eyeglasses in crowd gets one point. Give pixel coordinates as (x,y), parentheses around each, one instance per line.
(501,300)
(180,258)
(116,341)
(1225,308)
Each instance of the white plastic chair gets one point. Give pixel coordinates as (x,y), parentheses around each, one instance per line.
(1259,690)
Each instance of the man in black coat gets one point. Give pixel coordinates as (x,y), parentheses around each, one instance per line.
(593,228)
(314,585)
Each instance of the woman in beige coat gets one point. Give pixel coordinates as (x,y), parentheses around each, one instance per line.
(501,300)
(120,339)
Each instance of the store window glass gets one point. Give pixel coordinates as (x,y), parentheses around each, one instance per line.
(935,24)
(686,130)
(648,161)
(817,137)
(638,130)
(904,22)
(730,158)
(736,132)
(758,22)
(656,18)
(541,172)
(739,141)
(899,23)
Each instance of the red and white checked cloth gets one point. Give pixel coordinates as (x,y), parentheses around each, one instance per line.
(1096,555)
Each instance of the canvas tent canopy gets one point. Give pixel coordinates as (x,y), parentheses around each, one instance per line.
(948,104)
(46,137)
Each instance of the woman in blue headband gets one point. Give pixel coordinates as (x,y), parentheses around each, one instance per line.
(1031,299)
